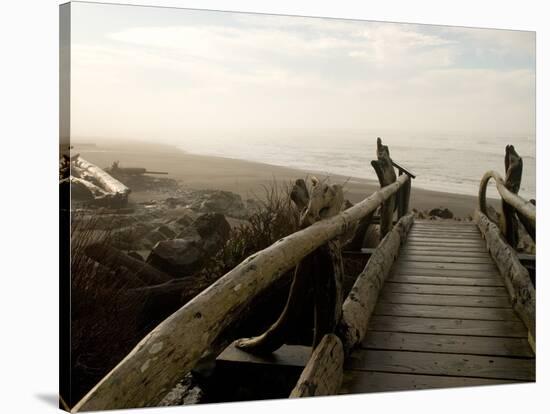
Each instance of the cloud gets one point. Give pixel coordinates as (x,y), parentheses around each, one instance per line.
(277,71)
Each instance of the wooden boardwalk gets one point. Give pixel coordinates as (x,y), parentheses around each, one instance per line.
(443,319)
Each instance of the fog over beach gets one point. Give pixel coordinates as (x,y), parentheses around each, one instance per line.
(308,93)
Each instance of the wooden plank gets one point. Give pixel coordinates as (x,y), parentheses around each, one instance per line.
(440,252)
(449,312)
(445,290)
(455,344)
(413,257)
(447,240)
(446,300)
(454,236)
(287,355)
(367,381)
(444,246)
(445,235)
(453,281)
(446,230)
(440,224)
(460,365)
(511,329)
(449,266)
(406,270)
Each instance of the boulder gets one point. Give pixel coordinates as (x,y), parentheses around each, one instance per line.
(135,255)
(187,253)
(441,213)
(166,231)
(178,257)
(217,201)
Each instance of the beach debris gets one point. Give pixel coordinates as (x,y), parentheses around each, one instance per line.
(441,213)
(187,253)
(90,183)
(115,170)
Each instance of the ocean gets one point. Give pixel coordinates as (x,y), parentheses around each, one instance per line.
(442,162)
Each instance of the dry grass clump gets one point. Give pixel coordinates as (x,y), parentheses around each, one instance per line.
(104,318)
(274,218)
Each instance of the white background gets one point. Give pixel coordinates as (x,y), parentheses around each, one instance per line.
(28,223)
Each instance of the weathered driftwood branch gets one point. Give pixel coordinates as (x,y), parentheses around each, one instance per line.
(324,370)
(516,277)
(360,302)
(322,270)
(300,195)
(113,258)
(386,175)
(522,206)
(171,349)
(117,191)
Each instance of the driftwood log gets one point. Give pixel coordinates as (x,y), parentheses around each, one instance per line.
(172,349)
(324,370)
(360,303)
(386,175)
(115,192)
(84,186)
(114,258)
(321,269)
(516,277)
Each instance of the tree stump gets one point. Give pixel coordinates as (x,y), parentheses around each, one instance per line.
(321,270)
(514,168)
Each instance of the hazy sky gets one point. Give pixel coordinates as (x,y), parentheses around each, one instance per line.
(156,73)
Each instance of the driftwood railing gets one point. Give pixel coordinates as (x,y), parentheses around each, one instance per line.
(501,242)
(173,348)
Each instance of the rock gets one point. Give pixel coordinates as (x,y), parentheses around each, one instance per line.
(217,201)
(212,228)
(166,231)
(212,201)
(136,255)
(441,213)
(178,257)
(153,237)
(184,221)
(210,224)
(187,253)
